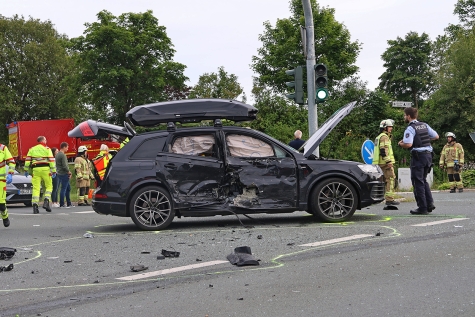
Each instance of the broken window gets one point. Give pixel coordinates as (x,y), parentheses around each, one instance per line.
(247,146)
(198,145)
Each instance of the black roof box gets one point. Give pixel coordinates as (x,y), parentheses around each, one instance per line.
(191,110)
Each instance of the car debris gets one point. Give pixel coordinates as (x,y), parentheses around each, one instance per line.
(6,268)
(242,256)
(6,253)
(138,268)
(170,254)
(88,235)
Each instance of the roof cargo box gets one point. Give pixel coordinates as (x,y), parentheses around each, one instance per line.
(191,110)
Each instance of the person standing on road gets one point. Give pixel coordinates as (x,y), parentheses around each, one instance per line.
(417,137)
(100,163)
(297,142)
(63,176)
(41,163)
(384,157)
(54,194)
(6,159)
(452,158)
(84,175)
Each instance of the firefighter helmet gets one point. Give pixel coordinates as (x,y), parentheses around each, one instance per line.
(82,148)
(386,123)
(451,134)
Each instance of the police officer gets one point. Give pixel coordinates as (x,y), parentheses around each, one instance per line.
(384,157)
(40,161)
(417,137)
(5,159)
(452,157)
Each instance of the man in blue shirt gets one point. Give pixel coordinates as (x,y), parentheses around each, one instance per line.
(417,137)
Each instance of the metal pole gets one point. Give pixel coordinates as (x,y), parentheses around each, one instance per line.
(312,108)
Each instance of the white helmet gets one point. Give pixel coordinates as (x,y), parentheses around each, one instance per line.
(450,134)
(386,123)
(82,148)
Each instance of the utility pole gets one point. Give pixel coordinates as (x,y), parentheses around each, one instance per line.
(310,54)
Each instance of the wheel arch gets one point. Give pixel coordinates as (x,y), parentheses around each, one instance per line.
(142,184)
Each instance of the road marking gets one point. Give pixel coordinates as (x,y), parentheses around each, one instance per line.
(168,271)
(438,222)
(326,242)
(84,212)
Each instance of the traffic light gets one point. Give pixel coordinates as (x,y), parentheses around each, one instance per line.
(321,83)
(297,96)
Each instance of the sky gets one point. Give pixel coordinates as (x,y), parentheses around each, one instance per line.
(207,34)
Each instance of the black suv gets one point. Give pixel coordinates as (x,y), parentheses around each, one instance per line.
(223,170)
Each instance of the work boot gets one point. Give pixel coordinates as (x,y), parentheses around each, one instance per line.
(460,190)
(87,204)
(392,203)
(452,190)
(35,209)
(6,222)
(430,207)
(417,211)
(46,205)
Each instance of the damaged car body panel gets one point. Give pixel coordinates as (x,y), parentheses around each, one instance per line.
(225,170)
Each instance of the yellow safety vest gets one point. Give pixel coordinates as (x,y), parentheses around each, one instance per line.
(39,156)
(6,158)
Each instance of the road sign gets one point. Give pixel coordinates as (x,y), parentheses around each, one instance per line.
(402,104)
(367,151)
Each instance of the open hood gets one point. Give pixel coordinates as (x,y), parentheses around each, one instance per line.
(92,129)
(191,110)
(320,135)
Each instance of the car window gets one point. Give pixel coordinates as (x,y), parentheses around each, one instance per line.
(197,145)
(247,146)
(149,148)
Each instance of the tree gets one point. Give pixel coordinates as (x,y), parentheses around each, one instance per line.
(217,85)
(33,66)
(408,74)
(282,48)
(123,62)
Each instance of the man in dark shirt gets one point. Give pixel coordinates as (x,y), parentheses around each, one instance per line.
(297,142)
(64,175)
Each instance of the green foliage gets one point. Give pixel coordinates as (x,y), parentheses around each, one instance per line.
(217,85)
(123,62)
(282,49)
(33,68)
(408,74)
(468,180)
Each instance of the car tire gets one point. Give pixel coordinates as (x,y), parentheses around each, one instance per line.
(151,208)
(28,204)
(334,200)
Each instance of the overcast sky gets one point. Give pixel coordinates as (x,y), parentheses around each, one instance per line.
(208,34)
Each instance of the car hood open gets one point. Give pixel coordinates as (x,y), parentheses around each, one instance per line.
(191,110)
(314,141)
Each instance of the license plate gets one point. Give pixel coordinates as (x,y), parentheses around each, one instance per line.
(24,192)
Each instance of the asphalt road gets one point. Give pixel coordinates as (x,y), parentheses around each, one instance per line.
(382,263)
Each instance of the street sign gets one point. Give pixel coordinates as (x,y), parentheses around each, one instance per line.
(402,104)
(367,151)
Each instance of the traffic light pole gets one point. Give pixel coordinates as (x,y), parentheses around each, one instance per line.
(312,108)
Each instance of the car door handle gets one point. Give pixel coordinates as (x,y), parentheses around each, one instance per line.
(170,166)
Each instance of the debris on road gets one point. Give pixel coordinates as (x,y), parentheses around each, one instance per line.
(6,268)
(242,256)
(88,235)
(138,268)
(6,253)
(170,254)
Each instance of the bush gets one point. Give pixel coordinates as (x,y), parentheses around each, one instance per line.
(468,180)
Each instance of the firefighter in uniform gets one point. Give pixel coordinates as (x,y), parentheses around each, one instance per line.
(100,163)
(41,163)
(5,159)
(384,157)
(452,158)
(83,169)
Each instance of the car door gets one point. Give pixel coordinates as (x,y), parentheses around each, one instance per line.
(266,172)
(193,168)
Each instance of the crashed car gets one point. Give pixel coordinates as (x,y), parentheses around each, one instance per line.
(223,170)
(19,190)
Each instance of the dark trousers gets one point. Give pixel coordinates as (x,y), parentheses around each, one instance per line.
(420,167)
(54,193)
(64,190)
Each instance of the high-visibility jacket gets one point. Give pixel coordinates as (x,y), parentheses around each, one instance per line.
(100,163)
(450,153)
(40,156)
(6,158)
(126,140)
(383,141)
(83,168)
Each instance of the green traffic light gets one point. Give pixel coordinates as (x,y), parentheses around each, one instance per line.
(321,94)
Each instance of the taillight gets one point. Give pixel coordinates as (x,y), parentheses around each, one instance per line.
(86,129)
(100,196)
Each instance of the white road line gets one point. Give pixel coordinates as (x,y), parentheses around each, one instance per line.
(168,271)
(84,212)
(438,222)
(326,242)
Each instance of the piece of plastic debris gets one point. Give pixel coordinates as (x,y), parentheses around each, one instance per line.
(6,268)
(68,261)
(6,253)
(199,260)
(240,298)
(170,254)
(259,236)
(88,235)
(242,256)
(160,257)
(138,268)
(145,252)
(210,285)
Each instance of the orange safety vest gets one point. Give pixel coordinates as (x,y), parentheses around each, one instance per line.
(101,164)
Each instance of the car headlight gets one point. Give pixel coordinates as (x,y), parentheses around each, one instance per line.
(367,168)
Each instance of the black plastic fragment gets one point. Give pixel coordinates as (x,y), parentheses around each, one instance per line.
(242,256)
(138,268)
(6,253)
(170,254)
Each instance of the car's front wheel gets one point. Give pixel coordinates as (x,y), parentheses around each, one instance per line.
(151,208)
(334,200)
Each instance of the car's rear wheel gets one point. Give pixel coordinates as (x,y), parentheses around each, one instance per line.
(334,200)
(151,208)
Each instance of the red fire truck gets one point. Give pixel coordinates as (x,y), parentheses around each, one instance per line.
(22,136)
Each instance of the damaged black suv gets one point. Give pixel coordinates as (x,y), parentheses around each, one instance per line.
(223,170)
